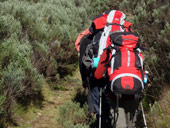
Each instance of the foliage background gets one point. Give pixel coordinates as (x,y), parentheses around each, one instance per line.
(37,43)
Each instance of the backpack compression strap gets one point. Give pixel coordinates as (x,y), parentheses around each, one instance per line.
(127,26)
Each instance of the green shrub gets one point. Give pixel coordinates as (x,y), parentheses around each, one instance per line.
(71,115)
(2,100)
(98,7)
(159,111)
(41,48)
(8,26)
(48,21)
(18,77)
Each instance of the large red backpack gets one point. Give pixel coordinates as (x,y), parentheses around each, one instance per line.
(126,67)
(102,25)
(123,61)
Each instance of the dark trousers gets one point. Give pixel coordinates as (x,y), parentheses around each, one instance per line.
(94,87)
(87,75)
(93,99)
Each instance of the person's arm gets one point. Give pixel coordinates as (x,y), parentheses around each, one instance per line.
(79,38)
(82,67)
(101,65)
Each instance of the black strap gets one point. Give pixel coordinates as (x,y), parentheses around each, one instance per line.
(115,24)
(138,66)
(144,49)
(110,48)
(129,29)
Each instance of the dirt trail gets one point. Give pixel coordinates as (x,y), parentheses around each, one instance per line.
(45,117)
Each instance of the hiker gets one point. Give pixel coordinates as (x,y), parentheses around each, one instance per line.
(114,21)
(83,39)
(89,83)
(91,48)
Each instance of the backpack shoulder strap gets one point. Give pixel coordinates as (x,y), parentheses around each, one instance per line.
(128,26)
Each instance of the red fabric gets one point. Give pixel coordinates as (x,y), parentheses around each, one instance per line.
(116,19)
(127,81)
(129,43)
(122,70)
(141,56)
(108,42)
(100,22)
(127,25)
(100,68)
(124,57)
(77,43)
(132,59)
(125,68)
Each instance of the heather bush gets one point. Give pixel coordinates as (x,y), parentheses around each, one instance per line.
(19,78)
(71,115)
(8,26)
(98,7)
(36,38)
(2,100)
(159,115)
(48,22)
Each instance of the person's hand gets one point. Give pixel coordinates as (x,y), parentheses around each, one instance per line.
(85,84)
(86,90)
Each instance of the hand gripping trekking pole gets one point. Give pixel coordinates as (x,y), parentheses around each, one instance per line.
(100,108)
(143,115)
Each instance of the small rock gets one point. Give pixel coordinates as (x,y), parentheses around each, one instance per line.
(39,113)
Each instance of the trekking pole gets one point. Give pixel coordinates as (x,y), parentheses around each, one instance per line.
(144,118)
(100,108)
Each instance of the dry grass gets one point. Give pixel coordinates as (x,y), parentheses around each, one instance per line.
(159,116)
(45,116)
